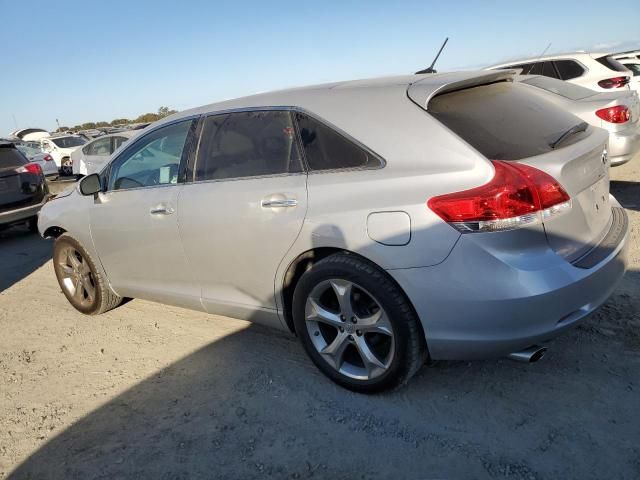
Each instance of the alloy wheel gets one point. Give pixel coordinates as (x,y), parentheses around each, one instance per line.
(76,276)
(349,329)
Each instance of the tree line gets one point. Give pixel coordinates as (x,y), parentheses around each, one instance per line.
(144,118)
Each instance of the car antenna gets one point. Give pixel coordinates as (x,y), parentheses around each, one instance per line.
(430,69)
(537,60)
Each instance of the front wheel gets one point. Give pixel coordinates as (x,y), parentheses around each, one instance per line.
(80,281)
(357,325)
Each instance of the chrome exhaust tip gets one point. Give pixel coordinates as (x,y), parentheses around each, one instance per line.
(528,355)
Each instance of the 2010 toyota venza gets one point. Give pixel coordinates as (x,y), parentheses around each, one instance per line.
(385,221)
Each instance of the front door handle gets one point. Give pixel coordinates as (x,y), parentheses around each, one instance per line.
(287,202)
(161,210)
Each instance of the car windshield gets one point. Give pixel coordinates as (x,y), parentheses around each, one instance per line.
(68,142)
(28,150)
(564,89)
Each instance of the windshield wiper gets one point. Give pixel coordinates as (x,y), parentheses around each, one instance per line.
(581,127)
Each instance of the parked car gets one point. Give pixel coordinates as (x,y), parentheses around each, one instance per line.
(597,71)
(628,54)
(633,64)
(384,221)
(94,155)
(617,112)
(60,148)
(23,189)
(35,155)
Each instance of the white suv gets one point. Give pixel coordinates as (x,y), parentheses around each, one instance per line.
(597,71)
(60,149)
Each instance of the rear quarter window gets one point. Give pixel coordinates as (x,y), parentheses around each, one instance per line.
(611,63)
(503,121)
(569,69)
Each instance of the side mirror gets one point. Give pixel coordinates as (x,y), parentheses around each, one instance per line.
(90,185)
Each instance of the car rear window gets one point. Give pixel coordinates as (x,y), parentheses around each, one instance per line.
(68,142)
(504,121)
(565,89)
(611,63)
(11,157)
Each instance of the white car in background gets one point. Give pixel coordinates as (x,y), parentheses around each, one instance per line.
(60,148)
(598,71)
(633,64)
(94,155)
(616,112)
(35,155)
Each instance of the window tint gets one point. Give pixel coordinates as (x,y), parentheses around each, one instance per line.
(548,70)
(11,157)
(152,160)
(568,69)
(326,149)
(247,144)
(532,69)
(101,147)
(611,63)
(504,120)
(117,141)
(565,89)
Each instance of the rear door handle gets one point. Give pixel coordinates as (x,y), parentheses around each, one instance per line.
(161,210)
(287,202)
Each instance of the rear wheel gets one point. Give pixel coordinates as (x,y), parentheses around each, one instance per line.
(81,283)
(356,324)
(66,168)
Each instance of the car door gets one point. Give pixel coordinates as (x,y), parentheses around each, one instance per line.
(134,223)
(243,210)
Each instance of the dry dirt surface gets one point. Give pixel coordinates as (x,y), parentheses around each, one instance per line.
(150,391)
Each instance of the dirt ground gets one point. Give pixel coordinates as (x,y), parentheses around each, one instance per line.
(150,391)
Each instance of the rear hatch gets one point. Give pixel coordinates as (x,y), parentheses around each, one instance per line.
(505,121)
(17,190)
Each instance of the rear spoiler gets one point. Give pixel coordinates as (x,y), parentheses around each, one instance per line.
(422,91)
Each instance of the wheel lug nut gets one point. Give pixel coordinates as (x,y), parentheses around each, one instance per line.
(359,333)
(342,318)
(354,320)
(316,333)
(350,337)
(342,329)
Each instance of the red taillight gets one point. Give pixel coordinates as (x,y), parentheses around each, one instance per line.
(615,82)
(617,114)
(48,158)
(517,195)
(30,168)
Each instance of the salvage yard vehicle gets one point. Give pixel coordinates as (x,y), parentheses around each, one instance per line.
(35,155)
(384,221)
(92,157)
(60,148)
(633,64)
(597,71)
(617,112)
(23,189)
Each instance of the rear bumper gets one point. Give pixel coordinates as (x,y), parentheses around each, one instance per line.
(484,302)
(624,145)
(21,214)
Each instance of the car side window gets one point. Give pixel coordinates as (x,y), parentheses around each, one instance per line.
(548,70)
(568,69)
(326,149)
(152,160)
(117,141)
(247,144)
(100,147)
(532,68)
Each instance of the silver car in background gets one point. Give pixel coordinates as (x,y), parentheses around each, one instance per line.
(93,156)
(385,221)
(617,112)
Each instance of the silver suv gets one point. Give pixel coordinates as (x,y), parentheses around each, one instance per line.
(386,221)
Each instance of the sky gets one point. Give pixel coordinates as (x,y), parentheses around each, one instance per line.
(96,61)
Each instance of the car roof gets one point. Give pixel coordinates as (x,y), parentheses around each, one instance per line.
(576,55)
(337,98)
(124,133)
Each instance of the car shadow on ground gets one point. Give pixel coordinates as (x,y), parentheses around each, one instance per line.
(251,405)
(21,253)
(627,193)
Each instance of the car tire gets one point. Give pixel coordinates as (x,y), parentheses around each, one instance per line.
(380,347)
(81,282)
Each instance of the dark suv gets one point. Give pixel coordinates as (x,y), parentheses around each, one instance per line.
(23,189)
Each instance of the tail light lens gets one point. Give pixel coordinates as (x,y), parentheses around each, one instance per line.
(48,158)
(516,196)
(33,168)
(617,114)
(615,82)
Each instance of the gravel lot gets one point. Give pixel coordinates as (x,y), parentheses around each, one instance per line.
(160,392)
